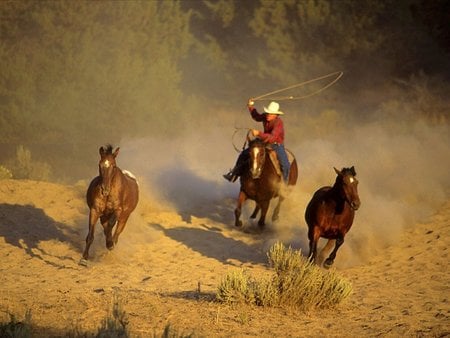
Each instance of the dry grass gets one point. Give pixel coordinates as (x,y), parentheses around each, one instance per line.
(16,328)
(295,282)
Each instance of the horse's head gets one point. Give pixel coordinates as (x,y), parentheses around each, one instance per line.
(257,151)
(106,167)
(346,178)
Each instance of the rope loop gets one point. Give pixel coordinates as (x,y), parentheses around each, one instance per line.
(337,75)
(236,129)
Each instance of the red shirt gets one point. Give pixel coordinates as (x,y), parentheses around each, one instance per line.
(273,130)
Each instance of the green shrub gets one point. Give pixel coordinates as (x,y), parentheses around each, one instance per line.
(5,173)
(23,167)
(295,282)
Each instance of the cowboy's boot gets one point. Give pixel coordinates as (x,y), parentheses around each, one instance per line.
(231,176)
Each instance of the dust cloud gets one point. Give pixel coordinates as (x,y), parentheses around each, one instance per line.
(401,157)
(402,167)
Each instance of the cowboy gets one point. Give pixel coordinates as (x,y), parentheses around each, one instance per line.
(273,135)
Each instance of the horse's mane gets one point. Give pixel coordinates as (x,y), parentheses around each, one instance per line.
(344,171)
(108,148)
(256,141)
(350,171)
(338,185)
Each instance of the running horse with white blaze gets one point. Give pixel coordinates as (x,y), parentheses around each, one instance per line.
(331,211)
(261,181)
(112,196)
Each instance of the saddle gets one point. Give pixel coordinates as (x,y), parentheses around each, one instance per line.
(274,158)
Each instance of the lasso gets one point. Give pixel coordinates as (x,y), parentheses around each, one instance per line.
(337,75)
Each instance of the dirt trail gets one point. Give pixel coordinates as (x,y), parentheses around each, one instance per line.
(168,264)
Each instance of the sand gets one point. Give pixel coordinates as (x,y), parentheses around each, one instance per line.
(168,264)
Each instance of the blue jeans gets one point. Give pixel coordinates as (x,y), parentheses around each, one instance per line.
(282,157)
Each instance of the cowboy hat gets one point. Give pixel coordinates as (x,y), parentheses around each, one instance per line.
(273,108)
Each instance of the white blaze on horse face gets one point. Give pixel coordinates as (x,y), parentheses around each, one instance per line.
(255,163)
(351,179)
(107,164)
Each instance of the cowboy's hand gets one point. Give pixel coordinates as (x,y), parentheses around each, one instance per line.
(250,104)
(255,132)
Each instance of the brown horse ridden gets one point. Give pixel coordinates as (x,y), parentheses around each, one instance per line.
(111,196)
(261,182)
(331,211)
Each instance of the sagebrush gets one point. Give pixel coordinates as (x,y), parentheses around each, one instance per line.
(294,282)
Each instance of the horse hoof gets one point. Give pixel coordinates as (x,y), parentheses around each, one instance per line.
(328,263)
(110,246)
(261,225)
(238,224)
(83,262)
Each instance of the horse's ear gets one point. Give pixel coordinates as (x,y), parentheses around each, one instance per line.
(353,170)
(116,152)
(101,151)
(337,171)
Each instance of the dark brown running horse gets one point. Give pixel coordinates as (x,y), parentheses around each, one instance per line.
(111,196)
(261,182)
(331,211)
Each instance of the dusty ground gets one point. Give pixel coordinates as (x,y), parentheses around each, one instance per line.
(168,264)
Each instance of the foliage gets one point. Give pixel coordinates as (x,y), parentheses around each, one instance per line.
(5,173)
(70,67)
(171,332)
(76,74)
(296,282)
(282,42)
(23,167)
(301,283)
(15,328)
(81,73)
(236,287)
(115,324)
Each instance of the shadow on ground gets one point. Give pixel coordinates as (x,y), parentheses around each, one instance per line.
(24,226)
(211,243)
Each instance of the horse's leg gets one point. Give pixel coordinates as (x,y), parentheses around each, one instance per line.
(255,212)
(313,236)
(276,211)
(325,251)
(330,260)
(108,223)
(264,207)
(121,222)
(237,212)
(93,218)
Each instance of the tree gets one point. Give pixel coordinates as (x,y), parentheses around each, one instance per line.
(76,73)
